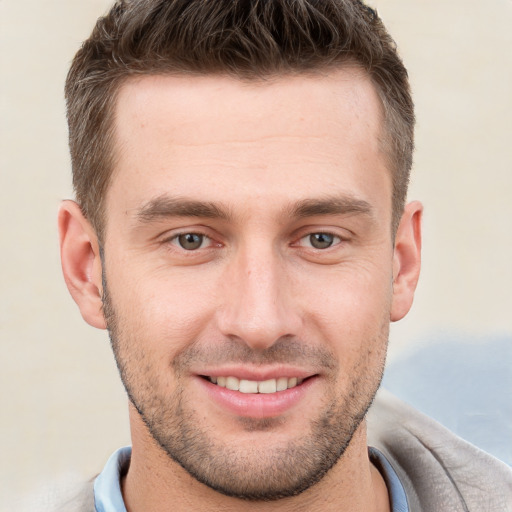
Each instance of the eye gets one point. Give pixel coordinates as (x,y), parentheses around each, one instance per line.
(191,241)
(321,240)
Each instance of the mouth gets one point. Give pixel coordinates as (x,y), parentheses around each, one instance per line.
(258,394)
(268,386)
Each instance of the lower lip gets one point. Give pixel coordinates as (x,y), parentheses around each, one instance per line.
(257,405)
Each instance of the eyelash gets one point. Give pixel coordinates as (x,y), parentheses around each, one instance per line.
(175,240)
(336,239)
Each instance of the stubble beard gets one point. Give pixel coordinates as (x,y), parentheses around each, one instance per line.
(252,473)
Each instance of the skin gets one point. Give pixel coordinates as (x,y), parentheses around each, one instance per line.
(256,168)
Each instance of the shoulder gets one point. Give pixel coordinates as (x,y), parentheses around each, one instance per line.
(439,470)
(61,496)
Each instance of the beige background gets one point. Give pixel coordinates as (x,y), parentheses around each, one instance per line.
(63,410)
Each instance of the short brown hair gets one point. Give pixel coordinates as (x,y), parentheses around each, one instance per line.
(247,39)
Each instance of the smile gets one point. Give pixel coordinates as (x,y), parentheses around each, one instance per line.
(253,386)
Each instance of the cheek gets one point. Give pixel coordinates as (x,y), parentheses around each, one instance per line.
(352,294)
(350,312)
(161,310)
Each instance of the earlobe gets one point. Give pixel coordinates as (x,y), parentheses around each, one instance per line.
(81,262)
(406,260)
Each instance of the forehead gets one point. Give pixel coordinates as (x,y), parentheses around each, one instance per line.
(281,138)
(294,105)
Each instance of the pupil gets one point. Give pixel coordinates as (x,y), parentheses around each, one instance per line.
(321,240)
(190,241)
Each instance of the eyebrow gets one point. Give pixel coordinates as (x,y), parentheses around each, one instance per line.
(164,206)
(335,205)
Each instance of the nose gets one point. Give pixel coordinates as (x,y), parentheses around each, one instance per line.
(259,307)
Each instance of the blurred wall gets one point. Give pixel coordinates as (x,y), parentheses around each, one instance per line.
(63,409)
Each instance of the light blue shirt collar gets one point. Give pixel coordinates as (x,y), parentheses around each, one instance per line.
(107,486)
(397,496)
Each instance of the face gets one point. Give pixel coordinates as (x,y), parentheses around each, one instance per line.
(248,271)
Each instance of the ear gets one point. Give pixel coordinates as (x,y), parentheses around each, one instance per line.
(81,262)
(406,260)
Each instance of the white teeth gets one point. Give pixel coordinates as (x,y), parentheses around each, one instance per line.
(267,386)
(282,383)
(252,386)
(248,386)
(232,383)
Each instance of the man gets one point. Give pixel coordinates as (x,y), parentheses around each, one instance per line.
(241,230)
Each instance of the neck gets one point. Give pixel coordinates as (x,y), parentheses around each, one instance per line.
(155,483)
